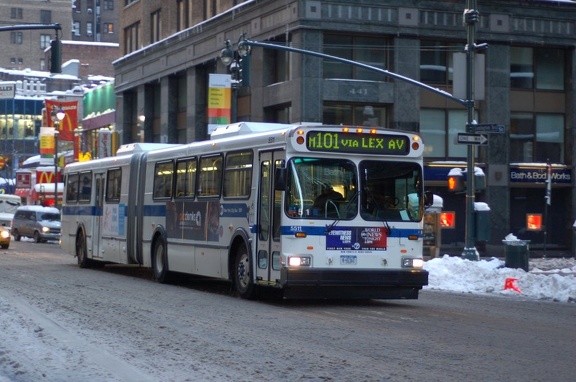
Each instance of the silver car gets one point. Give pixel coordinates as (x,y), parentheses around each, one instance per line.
(37,222)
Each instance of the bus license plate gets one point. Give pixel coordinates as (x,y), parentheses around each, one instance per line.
(348,259)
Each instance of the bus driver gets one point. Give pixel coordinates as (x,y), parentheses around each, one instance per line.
(327,193)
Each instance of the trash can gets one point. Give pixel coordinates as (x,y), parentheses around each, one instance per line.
(516,254)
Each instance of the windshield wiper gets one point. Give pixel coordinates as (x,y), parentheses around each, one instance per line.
(345,210)
(379,207)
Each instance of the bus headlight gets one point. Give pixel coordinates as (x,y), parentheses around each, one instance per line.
(409,262)
(299,261)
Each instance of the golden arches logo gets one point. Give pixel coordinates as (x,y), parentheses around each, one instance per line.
(45,177)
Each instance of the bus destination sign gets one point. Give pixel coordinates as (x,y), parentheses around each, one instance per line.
(389,144)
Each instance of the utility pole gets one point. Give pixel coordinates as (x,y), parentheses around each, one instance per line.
(471,17)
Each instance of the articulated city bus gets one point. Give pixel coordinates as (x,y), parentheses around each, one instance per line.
(307,211)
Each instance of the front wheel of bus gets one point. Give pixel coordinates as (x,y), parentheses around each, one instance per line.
(243,275)
(81,252)
(159,262)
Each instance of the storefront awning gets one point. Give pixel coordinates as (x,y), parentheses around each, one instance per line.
(99,121)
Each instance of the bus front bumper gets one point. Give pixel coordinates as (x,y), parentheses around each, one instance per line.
(371,284)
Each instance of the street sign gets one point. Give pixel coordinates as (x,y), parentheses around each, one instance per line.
(488,128)
(472,139)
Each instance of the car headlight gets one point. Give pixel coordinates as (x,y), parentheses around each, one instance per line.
(45,229)
(409,262)
(4,234)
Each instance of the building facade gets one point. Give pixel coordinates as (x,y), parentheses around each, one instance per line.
(169,49)
(95,20)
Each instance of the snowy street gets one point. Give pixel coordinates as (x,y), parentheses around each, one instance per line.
(61,323)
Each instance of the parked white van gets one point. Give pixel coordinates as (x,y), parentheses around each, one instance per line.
(8,205)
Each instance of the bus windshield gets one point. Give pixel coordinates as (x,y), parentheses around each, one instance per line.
(391,191)
(322,188)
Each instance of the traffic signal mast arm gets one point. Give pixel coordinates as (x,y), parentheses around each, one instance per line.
(55,45)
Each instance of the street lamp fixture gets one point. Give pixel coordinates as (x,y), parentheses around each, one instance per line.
(60,114)
(233,60)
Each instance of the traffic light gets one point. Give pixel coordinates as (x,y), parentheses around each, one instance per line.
(456,183)
(56,56)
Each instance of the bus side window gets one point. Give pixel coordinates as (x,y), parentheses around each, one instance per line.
(238,174)
(113,185)
(210,180)
(185,178)
(72,188)
(86,187)
(163,176)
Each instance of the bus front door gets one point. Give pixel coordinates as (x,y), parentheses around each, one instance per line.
(268,247)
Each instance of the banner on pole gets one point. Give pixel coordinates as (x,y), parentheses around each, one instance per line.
(219,100)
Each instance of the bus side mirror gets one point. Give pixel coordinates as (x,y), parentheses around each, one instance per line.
(428,199)
(280,179)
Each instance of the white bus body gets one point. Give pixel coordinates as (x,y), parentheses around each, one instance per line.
(241,207)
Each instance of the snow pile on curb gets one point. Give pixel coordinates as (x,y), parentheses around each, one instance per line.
(455,274)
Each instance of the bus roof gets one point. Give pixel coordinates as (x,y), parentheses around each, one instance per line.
(243,128)
(131,148)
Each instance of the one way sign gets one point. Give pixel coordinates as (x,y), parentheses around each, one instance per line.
(472,139)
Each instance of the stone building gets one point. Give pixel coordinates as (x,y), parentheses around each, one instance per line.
(169,49)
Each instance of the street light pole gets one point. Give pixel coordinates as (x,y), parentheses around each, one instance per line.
(471,17)
(56,133)
(59,117)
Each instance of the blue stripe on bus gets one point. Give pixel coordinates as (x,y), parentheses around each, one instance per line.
(81,210)
(321,231)
(155,210)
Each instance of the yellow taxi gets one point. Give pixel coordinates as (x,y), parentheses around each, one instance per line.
(4,237)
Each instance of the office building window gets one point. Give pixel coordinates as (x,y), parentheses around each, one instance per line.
(354,114)
(16,38)
(537,137)
(537,68)
(16,13)
(108,28)
(89,29)
(76,28)
(155,26)
(132,38)
(45,41)
(436,62)
(45,16)
(372,51)
(439,129)
(109,5)
(184,17)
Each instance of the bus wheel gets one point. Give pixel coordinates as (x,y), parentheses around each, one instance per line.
(243,275)
(81,252)
(159,262)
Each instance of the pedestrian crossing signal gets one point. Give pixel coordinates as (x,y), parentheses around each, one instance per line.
(455,183)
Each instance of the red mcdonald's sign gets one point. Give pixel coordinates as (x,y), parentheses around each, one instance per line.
(70,121)
(43,176)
